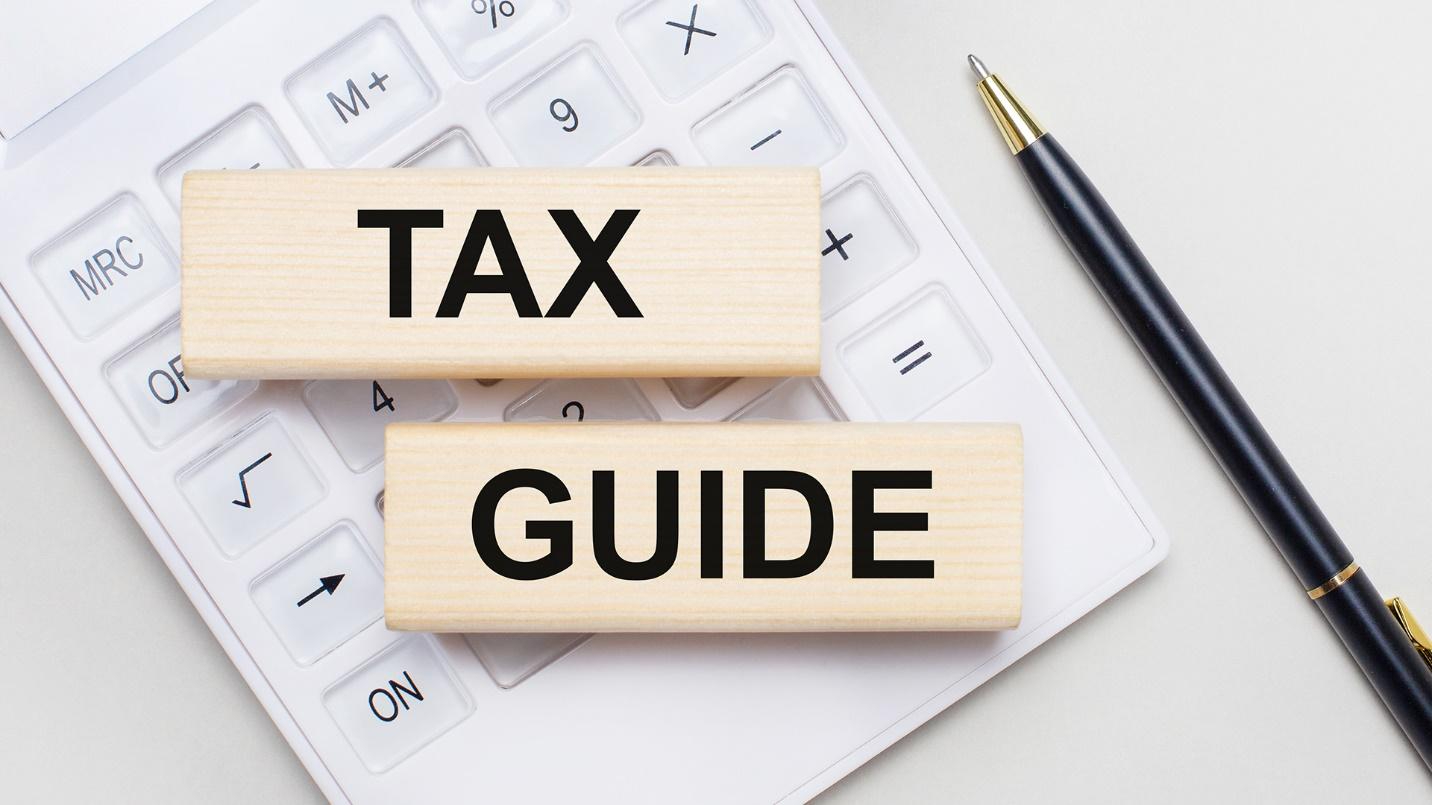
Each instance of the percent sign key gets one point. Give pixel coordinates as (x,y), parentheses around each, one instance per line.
(493,9)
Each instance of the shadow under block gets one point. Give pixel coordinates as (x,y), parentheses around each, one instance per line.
(281,281)
(463,555)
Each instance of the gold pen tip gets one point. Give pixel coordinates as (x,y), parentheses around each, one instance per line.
(978,67)
(1016,124)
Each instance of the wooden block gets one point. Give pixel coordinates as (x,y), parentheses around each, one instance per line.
(719,267)
(474,545)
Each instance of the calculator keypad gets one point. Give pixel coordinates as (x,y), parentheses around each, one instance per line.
(105,267)
(571,113)
(511,658)
(478,34)
(796,398)
(682,44)
(915,356)
(581,401)
(361,92)
(692,392)
(452,150)
(657,159)
(246,141)
(164,402)
(250,486)
(397,702)
(354,412)
(326,592)
(777,122)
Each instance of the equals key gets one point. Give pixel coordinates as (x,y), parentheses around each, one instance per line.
(911,350)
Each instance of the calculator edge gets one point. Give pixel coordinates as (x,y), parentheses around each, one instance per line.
(164,546)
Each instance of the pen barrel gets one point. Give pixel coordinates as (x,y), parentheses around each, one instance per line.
(1148,311)
(1373,638)
(1248,456)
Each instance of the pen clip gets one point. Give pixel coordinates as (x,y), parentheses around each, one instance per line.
(1411,628)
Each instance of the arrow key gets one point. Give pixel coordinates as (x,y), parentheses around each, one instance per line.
(327,584)
(322,594)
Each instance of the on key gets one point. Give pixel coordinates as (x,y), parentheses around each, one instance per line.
(397,702)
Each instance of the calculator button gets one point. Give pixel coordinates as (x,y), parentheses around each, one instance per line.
(477,34)
(326,592)
(397,703)
(570,114)
(250,486)
(361,92)
(777,122)
(683,44)
(452,150)
(916,356)
(658,159)
(581,400)
(246,141)
(796,398)
(354,412)
(106,266)
(511,658)
(862,242)
(691,392)
(164,402)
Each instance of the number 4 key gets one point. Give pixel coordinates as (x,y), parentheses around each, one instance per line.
(381,399)
(354,412)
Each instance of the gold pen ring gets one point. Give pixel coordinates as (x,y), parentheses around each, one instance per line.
(1333,583)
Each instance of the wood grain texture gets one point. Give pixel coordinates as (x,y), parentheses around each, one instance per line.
(280,282)
(435,579)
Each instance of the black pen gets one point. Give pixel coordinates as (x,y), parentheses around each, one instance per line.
(1387,643)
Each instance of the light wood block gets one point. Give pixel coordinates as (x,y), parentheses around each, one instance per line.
(279,281)
(437,516)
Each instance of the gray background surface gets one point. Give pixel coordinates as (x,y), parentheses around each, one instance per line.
(1270,159)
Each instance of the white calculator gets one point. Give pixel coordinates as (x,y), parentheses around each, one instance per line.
(266,498)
